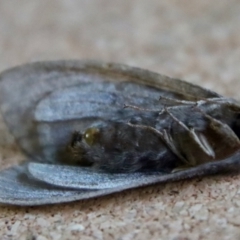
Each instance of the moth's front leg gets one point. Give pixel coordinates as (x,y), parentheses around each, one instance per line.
(206,140)
(189,146)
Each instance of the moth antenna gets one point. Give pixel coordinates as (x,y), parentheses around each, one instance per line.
(197,108)
(146,127)
(223,100)
(139,108)
(185,102)
(176,120)
(217,100)
(162,111)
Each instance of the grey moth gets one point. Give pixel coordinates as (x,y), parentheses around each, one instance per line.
(90,129)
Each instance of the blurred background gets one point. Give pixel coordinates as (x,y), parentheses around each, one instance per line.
(190,39)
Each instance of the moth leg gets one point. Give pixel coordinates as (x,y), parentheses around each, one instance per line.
(170,143)
(174,145)
(186,162)
(164,136)
(216,142)
(189,145)
(222,136)
(160,134)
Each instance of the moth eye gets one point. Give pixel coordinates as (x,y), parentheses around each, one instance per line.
(91,136)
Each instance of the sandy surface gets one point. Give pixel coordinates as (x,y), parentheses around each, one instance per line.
(194,40)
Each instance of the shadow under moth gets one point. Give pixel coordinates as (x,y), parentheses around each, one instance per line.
(90,129)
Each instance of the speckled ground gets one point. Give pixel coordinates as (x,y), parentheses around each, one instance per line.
(194,40)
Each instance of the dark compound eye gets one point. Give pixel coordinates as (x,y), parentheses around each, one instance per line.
(91,136)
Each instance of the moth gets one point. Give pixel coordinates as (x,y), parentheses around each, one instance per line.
(90,129)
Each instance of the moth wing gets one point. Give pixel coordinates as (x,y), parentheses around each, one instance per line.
(20,187)
(71,109)
(85,178)
(25,94)
(23,88)
(17,188)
